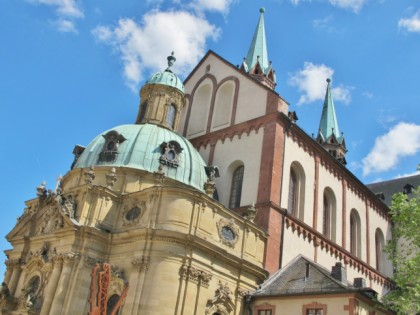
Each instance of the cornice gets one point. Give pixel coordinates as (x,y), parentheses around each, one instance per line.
(317,239)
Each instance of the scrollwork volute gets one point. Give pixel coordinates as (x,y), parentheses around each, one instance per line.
(195,275)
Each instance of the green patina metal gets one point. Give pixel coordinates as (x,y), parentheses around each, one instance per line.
(141,150)
(258,49)
(167,77)
(328,124)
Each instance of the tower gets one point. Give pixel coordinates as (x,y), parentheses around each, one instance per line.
(329,135)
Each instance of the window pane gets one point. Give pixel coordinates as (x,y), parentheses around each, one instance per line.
(236,190)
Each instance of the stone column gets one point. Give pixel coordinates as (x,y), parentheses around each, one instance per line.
(63,282)
(14,280)
(52,285)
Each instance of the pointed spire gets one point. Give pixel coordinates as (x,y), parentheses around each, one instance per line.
(329,135)
(328,124)
(258,49)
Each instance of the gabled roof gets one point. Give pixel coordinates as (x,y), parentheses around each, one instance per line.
(243,74)
(328,124)
(302,276)
(257,52)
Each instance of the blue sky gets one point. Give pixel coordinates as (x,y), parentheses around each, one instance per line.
(71,69)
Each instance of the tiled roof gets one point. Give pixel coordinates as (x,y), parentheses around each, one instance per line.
(302,276)
(386,189)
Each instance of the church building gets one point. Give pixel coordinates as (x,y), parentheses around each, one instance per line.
(213,202)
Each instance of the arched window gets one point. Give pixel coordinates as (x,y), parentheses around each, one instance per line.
(111,304)
(296,198)
(236,188)
(329,214)
(379,250)
(355,233)
(170,116)
(292,203)
(142,113)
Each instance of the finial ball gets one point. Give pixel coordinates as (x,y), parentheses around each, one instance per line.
(328,80)
(262,10)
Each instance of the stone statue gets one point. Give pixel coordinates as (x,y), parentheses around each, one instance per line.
(4,291)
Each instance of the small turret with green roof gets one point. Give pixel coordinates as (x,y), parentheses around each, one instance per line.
(328,134)
(162,98)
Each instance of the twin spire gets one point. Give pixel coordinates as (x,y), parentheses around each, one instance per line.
(256,62)
(329,135)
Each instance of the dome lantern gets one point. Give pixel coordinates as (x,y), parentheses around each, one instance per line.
(162,99)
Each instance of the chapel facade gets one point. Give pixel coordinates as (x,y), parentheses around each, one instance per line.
(213,202)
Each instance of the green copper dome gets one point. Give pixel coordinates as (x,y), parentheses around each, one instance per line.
(146,147)
(167,77)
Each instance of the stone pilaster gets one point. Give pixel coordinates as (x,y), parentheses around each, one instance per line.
(9,271)
(51,288)
(140,267)
(14,278)
(60,294)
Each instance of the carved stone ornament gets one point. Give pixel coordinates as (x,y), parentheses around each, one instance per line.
(251,212)
(41,191)
(222,302)
(141,264)
(133,211)
(52,220)
(89,175)
(170,153)
(111,178)
(228,231)
(241,293)
(195,275)
(30,299)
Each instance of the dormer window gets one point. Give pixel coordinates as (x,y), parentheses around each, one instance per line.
(110,149)
(408,189)
(170,153)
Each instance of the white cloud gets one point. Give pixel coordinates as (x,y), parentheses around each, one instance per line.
(65,26)
(411,24)
(311,81)
(407,174)
(67,11)
(322,23)
(341,93)
(368,95)
(354,5)
(63,7)
(401,141)
(221,6)
(145,46)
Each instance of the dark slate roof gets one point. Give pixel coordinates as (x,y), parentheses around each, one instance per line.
(292,280)
(386,189)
